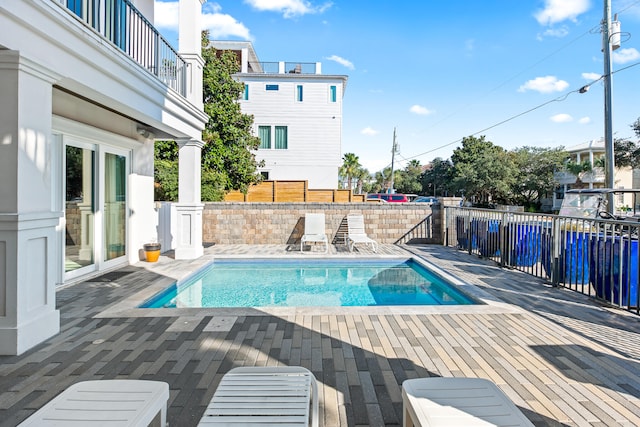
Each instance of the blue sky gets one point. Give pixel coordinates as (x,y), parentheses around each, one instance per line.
(438,71)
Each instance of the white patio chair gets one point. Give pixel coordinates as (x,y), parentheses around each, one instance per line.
(314,231)
(138,403)
(465,402)
(356,233)
(260,396)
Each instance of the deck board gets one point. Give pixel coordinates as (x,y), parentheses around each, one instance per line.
(561,358)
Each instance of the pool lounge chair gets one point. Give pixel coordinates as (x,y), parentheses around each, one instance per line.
(137,403)
(314,231)
(436,402)
(261,396)
(356,234)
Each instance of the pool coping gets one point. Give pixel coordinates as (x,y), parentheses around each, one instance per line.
(129,306)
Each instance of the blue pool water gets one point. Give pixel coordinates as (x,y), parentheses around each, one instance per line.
(304,283)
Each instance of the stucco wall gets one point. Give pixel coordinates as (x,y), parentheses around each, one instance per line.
(283,223)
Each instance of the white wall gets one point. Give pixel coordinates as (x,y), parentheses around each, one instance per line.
(314,127)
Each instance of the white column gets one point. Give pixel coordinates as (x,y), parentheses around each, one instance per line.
(29,254)
(189,207)
(190,46)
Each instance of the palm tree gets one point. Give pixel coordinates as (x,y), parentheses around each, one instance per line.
(362,176)
(577,169)
(349,168)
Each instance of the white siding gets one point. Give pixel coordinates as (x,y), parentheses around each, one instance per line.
(314,126)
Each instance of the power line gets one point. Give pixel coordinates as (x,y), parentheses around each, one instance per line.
(561,98)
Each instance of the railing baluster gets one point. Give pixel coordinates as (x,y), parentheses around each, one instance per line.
(123,25)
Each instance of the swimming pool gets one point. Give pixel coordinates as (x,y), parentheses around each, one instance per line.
(307,283)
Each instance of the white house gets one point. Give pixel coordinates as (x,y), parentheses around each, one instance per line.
(85,87)
(591,151)
(297,114)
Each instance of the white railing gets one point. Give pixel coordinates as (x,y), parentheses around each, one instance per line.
(123,25)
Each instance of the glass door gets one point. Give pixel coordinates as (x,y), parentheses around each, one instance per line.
(79,209)
(115,206)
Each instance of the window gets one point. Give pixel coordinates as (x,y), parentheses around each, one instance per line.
(272,87)
(299,93)
(333,93)
(246,92)
(264,132)
(281,138)
(265,175)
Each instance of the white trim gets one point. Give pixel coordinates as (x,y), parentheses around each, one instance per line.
(84,132)
(101,142)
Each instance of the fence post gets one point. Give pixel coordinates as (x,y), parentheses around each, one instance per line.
(555,253)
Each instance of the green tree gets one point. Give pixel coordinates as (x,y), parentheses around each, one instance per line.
(363,180)
(228,157)
(437,179)
(349,169)
(483,170)
(626,153)
(534,178)
(166,170)
(577,168)
(409,178)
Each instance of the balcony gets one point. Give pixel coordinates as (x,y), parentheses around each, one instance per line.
(124,26)
(564,178)
(283,67)
(596,175)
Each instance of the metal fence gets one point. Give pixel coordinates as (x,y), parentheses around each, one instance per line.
(595,257)
(123,25)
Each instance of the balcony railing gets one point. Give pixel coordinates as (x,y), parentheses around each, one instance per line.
(564,177)
(123,25)
(283,67)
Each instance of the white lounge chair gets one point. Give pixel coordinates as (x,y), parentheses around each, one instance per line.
(314,231)
(356,234)
(437,402)
(261,396)
(138,403)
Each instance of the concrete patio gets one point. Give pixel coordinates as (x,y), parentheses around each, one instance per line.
(561,358)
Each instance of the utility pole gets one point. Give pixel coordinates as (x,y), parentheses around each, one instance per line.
(608,126)
(393,154)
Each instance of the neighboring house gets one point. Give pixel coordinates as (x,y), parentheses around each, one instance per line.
(591,151)
(86,86)
(297,115)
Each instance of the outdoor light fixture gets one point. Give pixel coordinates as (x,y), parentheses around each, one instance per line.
(144,133)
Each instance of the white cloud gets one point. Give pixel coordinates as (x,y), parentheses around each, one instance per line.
(220,25)
(166,14)
(545,84)
(341,61)
(622,56)
(369,131)
(561,10)
(419,109)
(554,32)
(591,76)
(584,120)
(561,118)
(288,8)
(469,45)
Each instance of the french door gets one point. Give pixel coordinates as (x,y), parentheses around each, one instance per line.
(95,207)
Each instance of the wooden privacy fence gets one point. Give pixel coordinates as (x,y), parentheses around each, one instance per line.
(292,191)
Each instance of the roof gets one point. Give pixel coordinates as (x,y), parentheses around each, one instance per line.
(603,190)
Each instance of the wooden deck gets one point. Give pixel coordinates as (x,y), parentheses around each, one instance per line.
(561,358)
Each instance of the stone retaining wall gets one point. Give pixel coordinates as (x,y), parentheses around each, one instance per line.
(283,223)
